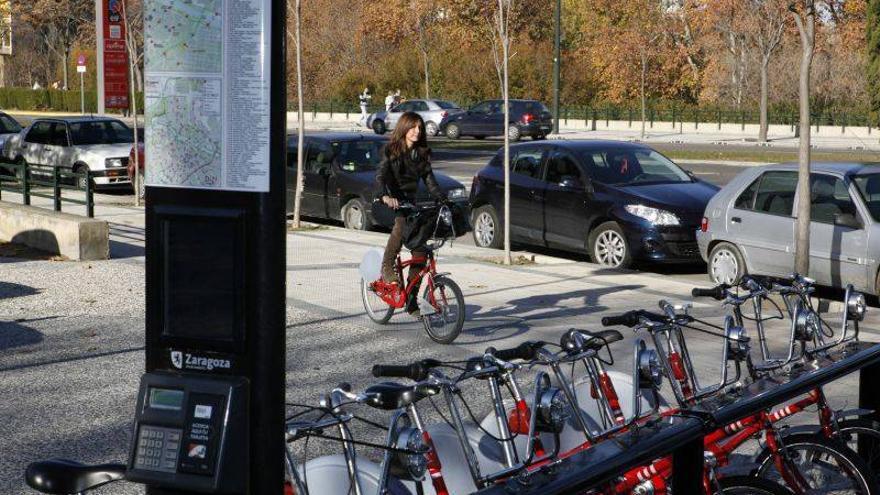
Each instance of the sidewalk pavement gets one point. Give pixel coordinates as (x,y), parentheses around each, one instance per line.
(71,335)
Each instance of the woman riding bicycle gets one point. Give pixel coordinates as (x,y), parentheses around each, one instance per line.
(407,160)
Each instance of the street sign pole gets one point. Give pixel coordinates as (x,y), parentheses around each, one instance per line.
(82,94)
(556,63)
(99,54)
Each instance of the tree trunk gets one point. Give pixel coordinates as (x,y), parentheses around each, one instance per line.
(427,76)
(642,90)
(802,245)
(505,91)
(297,201)
(66,60)
(765,66)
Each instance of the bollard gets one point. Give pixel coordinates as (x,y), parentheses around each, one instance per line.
(652,118)
(719,120)
(90,195)
(593,127)
(607,117)
(25,184)
(630,114)
(696,119)
(56,188)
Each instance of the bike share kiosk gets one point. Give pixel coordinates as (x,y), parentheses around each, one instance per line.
(210,408)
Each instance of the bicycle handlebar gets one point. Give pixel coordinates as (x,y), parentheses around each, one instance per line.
(717,292)
(525,351)
(415,371)
(628,319)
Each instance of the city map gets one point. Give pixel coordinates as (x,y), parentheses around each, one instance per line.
(185,36)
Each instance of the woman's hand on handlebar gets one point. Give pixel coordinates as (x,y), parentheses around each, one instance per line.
(390,202)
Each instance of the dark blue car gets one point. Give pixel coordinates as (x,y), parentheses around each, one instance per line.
(618,202)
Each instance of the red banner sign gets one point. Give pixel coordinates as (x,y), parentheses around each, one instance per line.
(115,56)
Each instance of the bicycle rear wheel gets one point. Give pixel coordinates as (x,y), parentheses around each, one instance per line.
(747,485)
(827,465)
(444,325)
(865,432)
(377,309)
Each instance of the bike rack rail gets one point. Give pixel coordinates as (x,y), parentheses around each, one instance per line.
(682,436)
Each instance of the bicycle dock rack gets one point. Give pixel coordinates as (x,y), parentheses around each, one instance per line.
(682,436)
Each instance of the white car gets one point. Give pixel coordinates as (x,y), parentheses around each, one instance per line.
(99,145)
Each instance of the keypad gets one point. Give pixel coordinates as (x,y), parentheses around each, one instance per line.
(157,449)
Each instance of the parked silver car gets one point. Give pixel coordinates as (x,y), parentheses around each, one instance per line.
(432,111)
(749,226)
(97,144)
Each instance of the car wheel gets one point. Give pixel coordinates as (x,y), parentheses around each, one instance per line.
(355,216)
(609,247)
(513,133)
(18,172)
(726,264)
(487,231)
(82,182)
(379,127)
(453,131)
(431,129)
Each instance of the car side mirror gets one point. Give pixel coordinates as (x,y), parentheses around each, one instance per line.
(847,220)
(572,183)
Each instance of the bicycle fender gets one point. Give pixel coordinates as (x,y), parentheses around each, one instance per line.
(856,412)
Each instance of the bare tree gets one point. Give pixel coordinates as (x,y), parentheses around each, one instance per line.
(502,20)
(296,36)
(768,20)
(138,178)
(57,24)
(804,13)
(134,39)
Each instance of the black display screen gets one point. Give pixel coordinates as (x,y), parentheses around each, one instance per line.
(203,278)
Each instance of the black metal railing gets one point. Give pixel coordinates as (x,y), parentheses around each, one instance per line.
(41,181)
(682,438)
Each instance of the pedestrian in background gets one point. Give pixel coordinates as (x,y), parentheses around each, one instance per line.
(389,101)
(364,98)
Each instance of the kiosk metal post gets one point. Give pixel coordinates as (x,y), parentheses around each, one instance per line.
(210,413)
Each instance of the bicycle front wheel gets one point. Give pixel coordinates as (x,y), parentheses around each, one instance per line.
(377,309)
(827,466)
(747,485)
(447,319)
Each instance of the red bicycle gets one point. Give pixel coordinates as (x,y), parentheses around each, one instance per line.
(441,303)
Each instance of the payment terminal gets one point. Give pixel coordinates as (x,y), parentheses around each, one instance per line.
(190,433)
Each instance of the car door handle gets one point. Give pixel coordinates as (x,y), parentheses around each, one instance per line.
(735,220)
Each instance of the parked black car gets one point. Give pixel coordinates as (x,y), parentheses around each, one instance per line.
(527,118)
(618,202)
(339,178)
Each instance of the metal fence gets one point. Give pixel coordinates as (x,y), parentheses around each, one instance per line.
(682,437)
(695,115)
(48,182)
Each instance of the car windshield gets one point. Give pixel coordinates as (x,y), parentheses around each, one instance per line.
(869,187)
(630,167)
(8,125)
(358,156)
(100,132)
(445,105)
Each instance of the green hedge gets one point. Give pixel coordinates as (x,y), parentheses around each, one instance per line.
(51,100)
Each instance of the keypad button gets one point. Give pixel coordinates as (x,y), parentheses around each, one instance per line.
(173,436)
(160,434)
(170,465)
(172,446)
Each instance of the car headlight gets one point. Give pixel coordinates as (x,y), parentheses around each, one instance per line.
(456,193)
(653,215)
(856,306)
(113,162)
(552,411)
(413,463)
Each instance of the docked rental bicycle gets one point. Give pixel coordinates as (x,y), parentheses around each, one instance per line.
(441,303)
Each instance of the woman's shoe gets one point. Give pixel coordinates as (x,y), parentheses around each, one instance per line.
(389,275)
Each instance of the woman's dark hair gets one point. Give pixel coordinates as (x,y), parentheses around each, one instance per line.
(397,144)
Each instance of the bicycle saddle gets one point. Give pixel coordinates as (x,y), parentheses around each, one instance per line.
(391,396)
(62,476)
(591,340)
